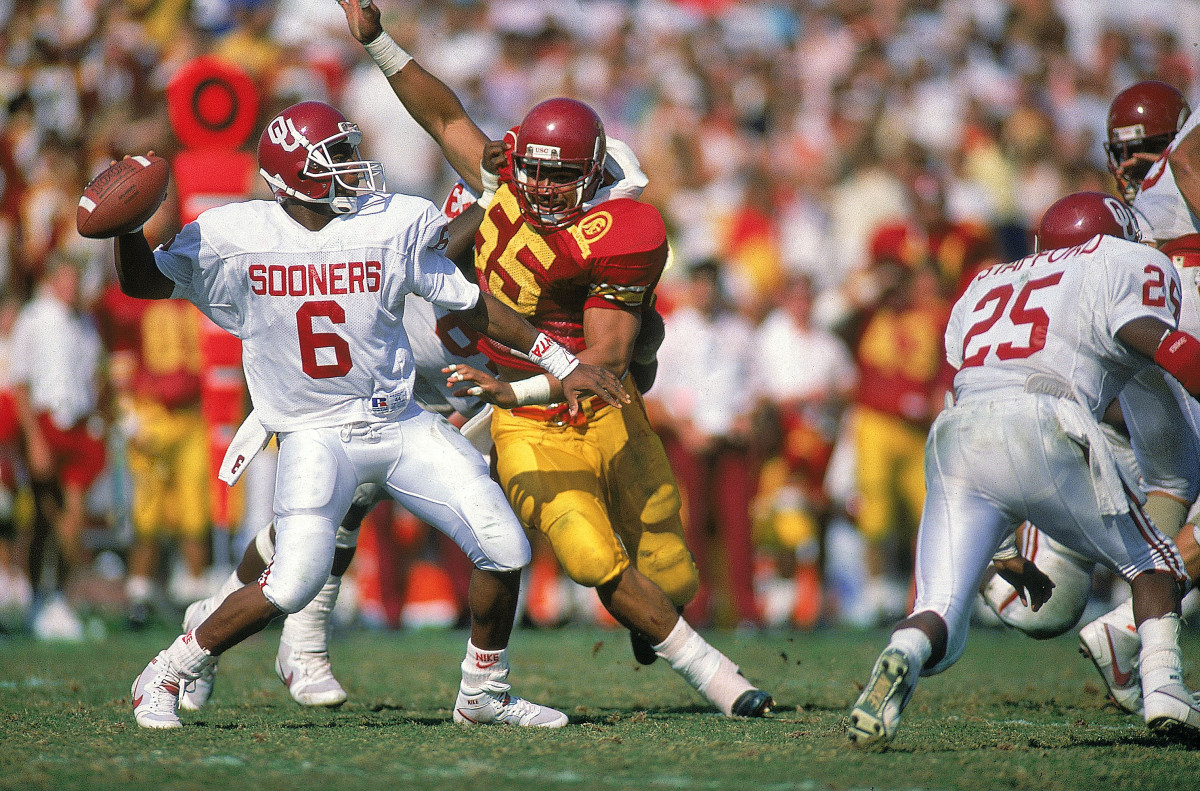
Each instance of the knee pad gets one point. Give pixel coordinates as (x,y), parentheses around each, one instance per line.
(499,540)
(304,546)
(1167,511)
(585,557)
(665,560)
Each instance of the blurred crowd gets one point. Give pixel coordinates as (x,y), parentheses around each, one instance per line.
(831,171)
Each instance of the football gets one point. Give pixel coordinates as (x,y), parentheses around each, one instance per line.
(122,197)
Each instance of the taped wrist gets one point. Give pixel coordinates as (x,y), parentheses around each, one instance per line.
(553,357)
(491,183)
(534,390)
(1179,355)
(387,54)
(1007,549)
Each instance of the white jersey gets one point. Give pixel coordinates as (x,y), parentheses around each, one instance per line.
(440,338)
(1056,315)
(319,313)
(1162,212)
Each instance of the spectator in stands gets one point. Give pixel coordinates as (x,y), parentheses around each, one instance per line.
(16,596)
(702,407)
(56,373)
(803,376)
(902,379)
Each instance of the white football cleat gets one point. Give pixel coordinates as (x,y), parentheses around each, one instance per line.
(1114,652)
(876,714)
(486,708)
(194,694)
(156,694)
(309,677)
(1172,711)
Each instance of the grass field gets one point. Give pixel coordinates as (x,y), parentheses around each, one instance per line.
(1013,714)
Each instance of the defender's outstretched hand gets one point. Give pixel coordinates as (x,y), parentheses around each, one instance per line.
(363,20)
(585,379)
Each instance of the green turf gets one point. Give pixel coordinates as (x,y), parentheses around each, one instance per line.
(1013,714)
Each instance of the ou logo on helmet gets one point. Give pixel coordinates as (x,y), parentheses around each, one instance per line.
(1124,217)
(280,130)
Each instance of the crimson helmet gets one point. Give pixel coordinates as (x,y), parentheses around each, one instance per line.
(565,137)
(1080,216)
(310,152)
(1142,119)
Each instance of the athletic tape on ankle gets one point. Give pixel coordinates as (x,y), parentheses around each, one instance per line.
(387,54)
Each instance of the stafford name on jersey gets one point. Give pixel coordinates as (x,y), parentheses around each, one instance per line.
(307,280)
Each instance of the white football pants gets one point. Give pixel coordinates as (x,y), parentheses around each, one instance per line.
(992,464)
(424,464)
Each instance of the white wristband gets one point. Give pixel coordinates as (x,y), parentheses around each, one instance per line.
(1007,549)
(534,390)
(491,183)
(387,54)
(553,357)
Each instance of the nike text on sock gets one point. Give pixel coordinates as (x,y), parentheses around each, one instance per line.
(484,668)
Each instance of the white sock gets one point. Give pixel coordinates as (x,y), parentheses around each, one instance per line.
(308,630)
(914,644)
(710,672)
(1160,664)
(187,657)
(227,587)
(485,670)
(231,584)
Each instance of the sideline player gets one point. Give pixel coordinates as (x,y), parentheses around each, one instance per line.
(1148,146)
(596,483)
(313,284)
(1022,442)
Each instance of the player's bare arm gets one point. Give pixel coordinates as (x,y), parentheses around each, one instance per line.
(137,273)
(1185,165)
(460,244)
(500,322)
(1176,352)
(610,336)
(430,102)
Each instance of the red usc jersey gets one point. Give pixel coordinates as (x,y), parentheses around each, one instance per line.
(612,257)
(901,362)
(163,337)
